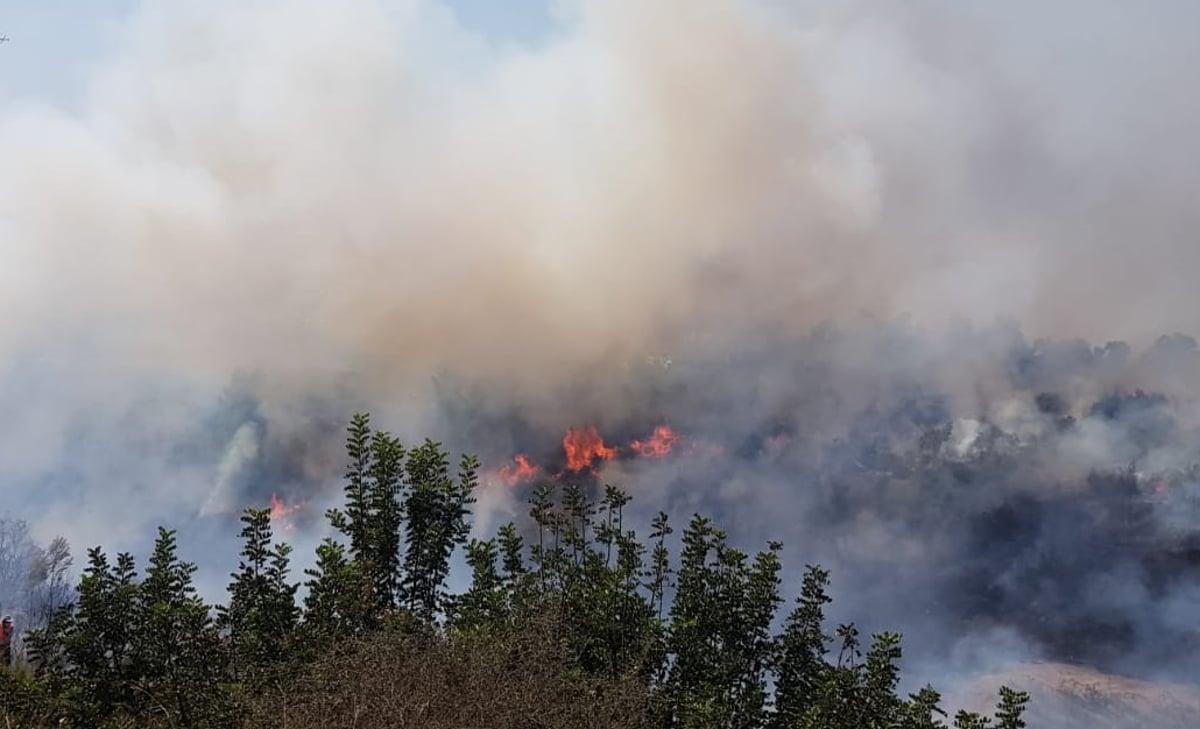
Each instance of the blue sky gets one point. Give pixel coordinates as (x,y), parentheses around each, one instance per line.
(54,42)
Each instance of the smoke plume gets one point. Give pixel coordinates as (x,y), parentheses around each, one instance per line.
(796,234)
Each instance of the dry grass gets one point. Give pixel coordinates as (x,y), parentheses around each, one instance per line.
(524,681)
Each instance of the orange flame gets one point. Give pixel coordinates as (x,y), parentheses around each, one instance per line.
(659,444)
(281,511)
(585,446)
(521,469)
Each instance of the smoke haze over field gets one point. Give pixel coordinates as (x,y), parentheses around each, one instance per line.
(329,204)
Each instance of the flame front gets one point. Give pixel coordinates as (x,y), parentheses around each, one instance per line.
(585,446)
(659,444)
(521,469)
(585,449)
(280,512)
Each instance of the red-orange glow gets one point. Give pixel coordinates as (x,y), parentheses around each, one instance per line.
(519,470)
(584,446)
(659,444)
(280,511)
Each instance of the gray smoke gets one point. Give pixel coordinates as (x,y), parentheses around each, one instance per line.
(1046,511)
(365,204)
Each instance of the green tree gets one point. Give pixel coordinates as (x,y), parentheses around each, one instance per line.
(1011,709)
(659,575)
(880,706)
(386,518)
(355,586)
(148,653)
(610,622)
(657,580)
(177,647)
(339,602)
(719,637)
(436,510)
(129,651)
(86,653)
(355,521)
(371,518)
(485,606)
(512,547)
(262,614)
(546,556)
(802,669)
(970,720)
(922,710)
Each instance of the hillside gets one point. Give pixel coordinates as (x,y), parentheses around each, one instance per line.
(1074,697)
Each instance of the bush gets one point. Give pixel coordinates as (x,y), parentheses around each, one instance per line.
(521,680)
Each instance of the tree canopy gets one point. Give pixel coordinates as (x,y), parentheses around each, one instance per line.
(570,616)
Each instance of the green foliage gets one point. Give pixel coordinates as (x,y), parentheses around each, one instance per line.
(659,575)
(1011,708)
(383,533)
(339,601)
(87,652)
(971,720)
(580,621)
(801,670)
(485,606)
(130,650)
(26,701)
(436,510)
(372,517)
(262,614)
(719,634)
(175,641)
(609,621)
(394,498)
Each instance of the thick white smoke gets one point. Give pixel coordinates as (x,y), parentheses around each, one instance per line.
(349,198)
(303,187)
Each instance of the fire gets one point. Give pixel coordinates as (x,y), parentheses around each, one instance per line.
(585,446)
(521,469)
(280,512)
(659,444)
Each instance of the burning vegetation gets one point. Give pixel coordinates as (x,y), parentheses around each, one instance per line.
(1053,512)
(811,220)
(1039,489)
(281,513)
(613,630)
(584,453)
(977,488)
